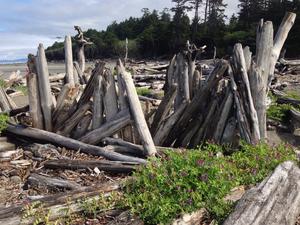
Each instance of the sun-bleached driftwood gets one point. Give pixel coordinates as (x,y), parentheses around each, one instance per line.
(164,108)
(57,77)
(98,95)
(121,120)
(34,94)
(57,204)
(69,60)
(82,78)
(127,132)
(44,87)
(240,68)
(69,124)
(137,112)
(165,128)
(223,117)
(69,143)
(37,180)
(110,95)
(279,40)
(274,201)
(259,73)
(81,43)
(108,166)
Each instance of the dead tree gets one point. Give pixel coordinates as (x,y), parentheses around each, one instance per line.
(81,43)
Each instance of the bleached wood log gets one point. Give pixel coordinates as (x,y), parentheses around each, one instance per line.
(57,204)
(241,69)
(197,82)
(137,112)
(165,128)
(34,101)
(110,95)
(200,135)
(37,180)
(69,143)
(259,74)
(121,120)
(264,204)
(223,117)
(102,165)
(98,95)
(44,88)
(72,122)
(243,123)
(248,57)
(69,61)
(164,108)
(170,73)
(57,77)
(290,62)
(279,40)
(76,76)
(80,74)
(63,95)
(123,104)
(198,103)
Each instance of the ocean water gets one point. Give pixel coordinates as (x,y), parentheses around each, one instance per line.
(14,61)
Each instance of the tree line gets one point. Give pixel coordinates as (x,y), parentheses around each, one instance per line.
(158,34)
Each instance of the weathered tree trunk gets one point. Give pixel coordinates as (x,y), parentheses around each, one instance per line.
(37,180)
(164,108)
(97,119)
(69,61)
(112,167)
(137,113)
(44,88)
(121,120)
(274,201)
(82,127)
(69,143)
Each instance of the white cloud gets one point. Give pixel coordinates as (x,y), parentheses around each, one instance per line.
(25,23)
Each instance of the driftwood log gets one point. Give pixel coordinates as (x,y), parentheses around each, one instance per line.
(69,143)
(274,201)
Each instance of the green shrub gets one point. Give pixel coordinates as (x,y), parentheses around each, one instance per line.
(3,122)
(182,182)
(143,91)
(279,112)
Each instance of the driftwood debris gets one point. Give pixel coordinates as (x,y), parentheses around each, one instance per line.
(265,203)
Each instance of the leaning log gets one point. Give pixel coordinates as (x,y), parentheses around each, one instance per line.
(274,201)
(44,87)
(57,205)
(121,120)
(69,143)
(137,113)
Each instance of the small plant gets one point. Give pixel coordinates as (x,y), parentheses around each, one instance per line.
(91,207)
(22,89)
(3,122)
(143,91)
(3,83)
(279,112)
(182,182)
(293,94)
(37,213)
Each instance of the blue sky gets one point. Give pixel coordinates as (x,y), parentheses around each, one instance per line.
(26,23)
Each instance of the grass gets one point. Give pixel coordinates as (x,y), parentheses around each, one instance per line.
(143,91)
(182,182)
(3,122)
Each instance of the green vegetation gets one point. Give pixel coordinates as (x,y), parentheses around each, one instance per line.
(3,122)
(279,112)
(22,89)
(143,91)
(182,182)
(2,83)
(164,33)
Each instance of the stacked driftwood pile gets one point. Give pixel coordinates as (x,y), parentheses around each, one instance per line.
(230,103)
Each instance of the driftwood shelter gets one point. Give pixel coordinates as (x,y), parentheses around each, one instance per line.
(102,115)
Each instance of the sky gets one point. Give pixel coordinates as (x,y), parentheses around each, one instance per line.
(26,23)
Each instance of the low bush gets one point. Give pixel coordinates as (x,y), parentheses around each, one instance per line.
(182,182)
